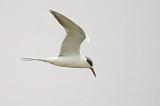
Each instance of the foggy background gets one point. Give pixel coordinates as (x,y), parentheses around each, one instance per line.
(124,45)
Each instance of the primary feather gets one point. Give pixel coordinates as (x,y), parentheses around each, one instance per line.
(75,36)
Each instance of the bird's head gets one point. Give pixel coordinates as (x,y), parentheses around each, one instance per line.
(90,62)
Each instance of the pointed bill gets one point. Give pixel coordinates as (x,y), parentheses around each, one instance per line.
(92,69)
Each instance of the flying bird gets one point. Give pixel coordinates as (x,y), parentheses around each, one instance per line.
(70,55)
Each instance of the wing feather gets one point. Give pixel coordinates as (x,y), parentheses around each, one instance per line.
(75,35)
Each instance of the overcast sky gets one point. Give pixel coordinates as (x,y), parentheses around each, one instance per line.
(124,45)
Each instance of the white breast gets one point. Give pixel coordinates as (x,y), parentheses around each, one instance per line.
(72,62)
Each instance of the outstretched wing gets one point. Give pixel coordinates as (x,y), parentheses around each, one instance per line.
(75,36)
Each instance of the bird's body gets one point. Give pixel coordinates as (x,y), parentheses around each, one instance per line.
(69,55)
(68,61)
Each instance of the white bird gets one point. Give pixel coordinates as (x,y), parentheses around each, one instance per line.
(69,55)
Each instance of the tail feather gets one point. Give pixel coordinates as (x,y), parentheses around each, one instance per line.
(33,59)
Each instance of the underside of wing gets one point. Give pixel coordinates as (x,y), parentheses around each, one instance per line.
(75,35)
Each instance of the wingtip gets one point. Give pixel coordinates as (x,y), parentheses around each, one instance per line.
(53,12)
(50,11)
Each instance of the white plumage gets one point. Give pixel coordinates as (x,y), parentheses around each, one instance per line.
(69,55)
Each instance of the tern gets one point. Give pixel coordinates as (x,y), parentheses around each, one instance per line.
(70,55)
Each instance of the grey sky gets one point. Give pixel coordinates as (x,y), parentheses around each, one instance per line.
(124,45)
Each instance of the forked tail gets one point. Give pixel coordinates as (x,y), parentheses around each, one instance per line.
(33,59)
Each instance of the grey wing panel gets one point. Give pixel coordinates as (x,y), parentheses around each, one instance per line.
(71,44)
(65,22)
(75,35)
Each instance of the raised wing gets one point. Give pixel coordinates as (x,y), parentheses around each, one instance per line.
(75,36)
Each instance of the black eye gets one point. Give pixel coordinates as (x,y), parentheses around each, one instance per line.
(90,62)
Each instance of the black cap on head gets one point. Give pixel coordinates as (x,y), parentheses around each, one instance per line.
(90,62)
